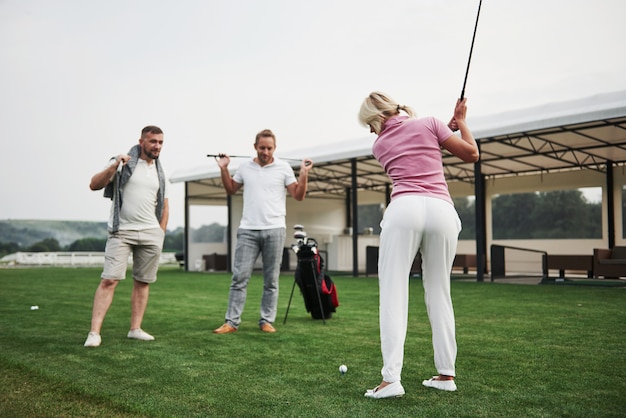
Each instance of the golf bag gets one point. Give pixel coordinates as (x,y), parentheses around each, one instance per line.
(317,288)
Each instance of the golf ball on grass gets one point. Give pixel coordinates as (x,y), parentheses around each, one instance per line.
(343,369)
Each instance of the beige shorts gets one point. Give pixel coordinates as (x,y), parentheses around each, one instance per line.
(146,247)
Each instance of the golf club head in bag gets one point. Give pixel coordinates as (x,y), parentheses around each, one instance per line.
(300,235)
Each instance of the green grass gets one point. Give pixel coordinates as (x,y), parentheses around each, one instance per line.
(524,350)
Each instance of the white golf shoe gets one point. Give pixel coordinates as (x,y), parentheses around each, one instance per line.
(139,334)
(392,390)
(447,385)
(93,340)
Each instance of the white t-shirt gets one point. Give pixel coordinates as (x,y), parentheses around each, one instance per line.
(264,194)
(139,198)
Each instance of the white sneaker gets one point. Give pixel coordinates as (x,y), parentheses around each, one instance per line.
(93,340)
(139,334)
(448,385)
(392,390)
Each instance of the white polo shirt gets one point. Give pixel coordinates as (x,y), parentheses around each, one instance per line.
(264,194)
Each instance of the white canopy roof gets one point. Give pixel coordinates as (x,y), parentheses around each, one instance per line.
(553,137)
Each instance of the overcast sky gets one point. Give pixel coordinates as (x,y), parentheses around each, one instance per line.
(79,79)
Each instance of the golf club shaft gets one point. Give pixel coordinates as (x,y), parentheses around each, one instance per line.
(247,156)
(471,49)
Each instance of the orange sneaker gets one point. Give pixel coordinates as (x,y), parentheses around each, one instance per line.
(224,329)
(267,327)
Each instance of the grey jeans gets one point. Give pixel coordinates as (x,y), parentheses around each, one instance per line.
(250,243)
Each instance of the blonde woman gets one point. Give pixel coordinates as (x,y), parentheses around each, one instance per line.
(421,217)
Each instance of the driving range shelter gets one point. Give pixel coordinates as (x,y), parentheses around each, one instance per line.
(565,145)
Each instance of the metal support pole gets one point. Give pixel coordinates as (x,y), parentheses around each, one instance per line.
(481,230)
(229,239)
(186,229)
(355,222)
(610,203)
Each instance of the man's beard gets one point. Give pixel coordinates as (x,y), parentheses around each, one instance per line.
(151,155)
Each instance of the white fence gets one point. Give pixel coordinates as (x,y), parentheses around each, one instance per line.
(68,259)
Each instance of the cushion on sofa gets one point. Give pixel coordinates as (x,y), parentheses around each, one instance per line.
(618,253)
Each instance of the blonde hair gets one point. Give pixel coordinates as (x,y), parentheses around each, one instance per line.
(377,108)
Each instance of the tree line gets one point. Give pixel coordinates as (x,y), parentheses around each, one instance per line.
(174,241)
(560,214)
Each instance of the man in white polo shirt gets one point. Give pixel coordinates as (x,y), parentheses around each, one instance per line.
(262,229)
(137,186)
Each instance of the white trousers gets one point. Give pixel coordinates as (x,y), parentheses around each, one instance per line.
(432,226)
